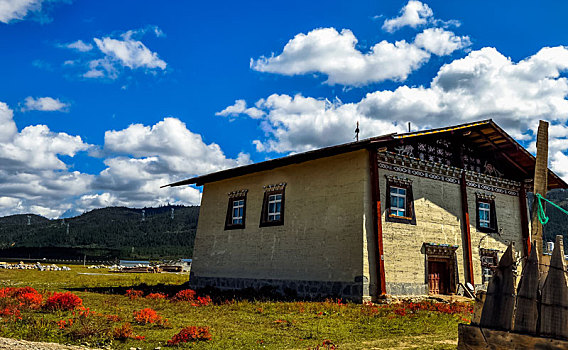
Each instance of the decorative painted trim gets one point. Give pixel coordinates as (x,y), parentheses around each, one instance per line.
(401,180)
(418,173)
(490,188)
(238,193)
(486,196)
(435,249)
(274,187)
(436,171)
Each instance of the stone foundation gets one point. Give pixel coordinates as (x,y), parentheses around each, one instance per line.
(407,289)
(302,289)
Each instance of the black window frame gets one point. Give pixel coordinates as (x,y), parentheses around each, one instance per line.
(229,217)
(493,226)
(264,222)
(406,184)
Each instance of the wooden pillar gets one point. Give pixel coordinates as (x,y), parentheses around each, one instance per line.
(466,231)
(540,185)
(524,221)
(377,222)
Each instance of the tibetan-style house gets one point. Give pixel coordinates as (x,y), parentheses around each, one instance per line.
(399,214)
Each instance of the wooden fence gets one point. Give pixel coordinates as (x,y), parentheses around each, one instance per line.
(533,315)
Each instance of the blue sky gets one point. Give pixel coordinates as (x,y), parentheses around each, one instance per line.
(101,102)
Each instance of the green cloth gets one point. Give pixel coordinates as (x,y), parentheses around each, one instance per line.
(540,210)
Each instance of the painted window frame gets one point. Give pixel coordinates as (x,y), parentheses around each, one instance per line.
(410,215)
(493,226)
(265,215)
(229,225)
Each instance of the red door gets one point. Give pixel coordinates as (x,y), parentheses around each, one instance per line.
(438,277)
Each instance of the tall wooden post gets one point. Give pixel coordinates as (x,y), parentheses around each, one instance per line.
(525,221)
(540,185)
(465,222)
(377,222)
(466,231)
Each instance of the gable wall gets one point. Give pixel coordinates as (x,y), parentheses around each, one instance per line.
(322,235)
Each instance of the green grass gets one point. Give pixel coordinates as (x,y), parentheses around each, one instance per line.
(233,325)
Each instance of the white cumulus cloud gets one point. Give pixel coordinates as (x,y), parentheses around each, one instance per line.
(240,107)
(79,45)
(46,104)
(32,177)
(143,158)
(441,42)
(334,54)
(413,14)
(112,54)
(130,53)
(16,10)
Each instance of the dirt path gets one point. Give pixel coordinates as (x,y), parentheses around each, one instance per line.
(8,343)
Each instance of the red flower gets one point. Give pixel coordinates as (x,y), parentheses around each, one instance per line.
(185,295)
(148,315)
(134,294)
(156,296)
(123,332)
(63,301)
(191,334)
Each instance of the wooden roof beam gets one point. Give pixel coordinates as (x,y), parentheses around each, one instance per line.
(504,155)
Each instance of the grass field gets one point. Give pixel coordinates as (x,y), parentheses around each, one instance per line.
(232,324)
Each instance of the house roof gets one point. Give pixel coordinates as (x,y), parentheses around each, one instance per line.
(484,135)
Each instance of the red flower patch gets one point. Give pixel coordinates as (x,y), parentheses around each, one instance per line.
(204,301)
(31,300)
(185,295)
(189,295)
(156,296)
(134,294)
(148,315)
(63,301)
(412,308)
(10,311)
(191,334)
(125,332)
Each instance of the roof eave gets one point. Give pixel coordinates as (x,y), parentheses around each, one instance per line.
(283,161)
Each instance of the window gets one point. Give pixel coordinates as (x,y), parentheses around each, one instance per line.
(484,214)
(486,217)
(488,263)
(236,210)
(399,200)
(273,206)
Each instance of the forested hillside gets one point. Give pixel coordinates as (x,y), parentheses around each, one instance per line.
(108,232)
(119,232)
(558,223)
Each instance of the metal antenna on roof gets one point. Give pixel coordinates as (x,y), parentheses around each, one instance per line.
(357,132)
(408,126)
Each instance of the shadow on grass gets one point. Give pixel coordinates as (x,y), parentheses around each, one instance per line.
(266,293)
